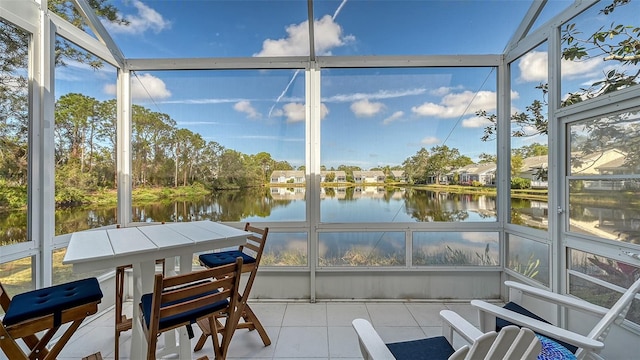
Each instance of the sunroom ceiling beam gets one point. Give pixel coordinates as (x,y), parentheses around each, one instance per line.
(527,22)
(408,61)
(302,62)
(542,33)
(99,30)
(83,40)
(282,62)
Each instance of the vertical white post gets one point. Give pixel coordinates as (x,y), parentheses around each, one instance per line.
(41,186)
(312,162)
(503,180)
(123,146)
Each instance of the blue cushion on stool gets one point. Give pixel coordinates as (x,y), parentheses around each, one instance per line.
(500,323)
(224,257)
(52,300)
(431,348)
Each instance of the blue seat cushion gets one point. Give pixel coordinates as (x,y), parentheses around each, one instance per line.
(211,260)
(188,316)
(500,323)
(434,348)
(552,350)
(52,300)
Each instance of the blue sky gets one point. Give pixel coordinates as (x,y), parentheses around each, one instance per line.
(370,117)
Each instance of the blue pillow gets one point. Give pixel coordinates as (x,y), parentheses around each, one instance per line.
(551,350)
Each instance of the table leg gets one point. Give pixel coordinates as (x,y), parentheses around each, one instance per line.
(186,265)
(143,274)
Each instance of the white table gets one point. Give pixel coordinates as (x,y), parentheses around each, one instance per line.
(142,246)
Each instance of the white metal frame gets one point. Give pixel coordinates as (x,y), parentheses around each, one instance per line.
(35,18)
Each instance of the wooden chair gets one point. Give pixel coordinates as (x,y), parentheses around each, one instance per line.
(512,343)
(122,322)
(182,300)
(251,253)
(583,346)
(45,310)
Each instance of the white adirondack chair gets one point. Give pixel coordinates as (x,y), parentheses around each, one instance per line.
(587,346)
(512,343)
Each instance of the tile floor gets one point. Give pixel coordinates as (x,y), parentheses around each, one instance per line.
(297,330)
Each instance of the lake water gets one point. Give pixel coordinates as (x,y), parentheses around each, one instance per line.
(354,204)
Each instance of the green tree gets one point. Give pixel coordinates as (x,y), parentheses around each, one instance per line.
(330,177)
(106,111)
(211,168)
(535,149)
(76,120)
(266,163)
(415,167)
(517,162)
(153,146)
(14,57)
(487,159)
(232,170)
(617,43)
(444,159)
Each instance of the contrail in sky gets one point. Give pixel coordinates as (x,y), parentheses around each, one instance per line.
(335,14)
(295,75)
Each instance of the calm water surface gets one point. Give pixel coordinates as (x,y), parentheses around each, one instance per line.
(359,204)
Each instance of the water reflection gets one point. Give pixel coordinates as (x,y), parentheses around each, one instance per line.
(339,204)
(588,214)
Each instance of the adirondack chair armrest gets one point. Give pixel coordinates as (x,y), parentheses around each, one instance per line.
(566,301)
(488,313)
(451,321)
(370,341)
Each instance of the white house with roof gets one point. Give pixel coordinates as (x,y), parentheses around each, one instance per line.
(484,173)
(399,175)
(533,169)
(371,177)
(588,164)
(287,177)
(615,167)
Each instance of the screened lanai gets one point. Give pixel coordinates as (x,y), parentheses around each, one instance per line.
(397,150)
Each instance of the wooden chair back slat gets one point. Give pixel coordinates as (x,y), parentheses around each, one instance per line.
(181,294)
(254,246)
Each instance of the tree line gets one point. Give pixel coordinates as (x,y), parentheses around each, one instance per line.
(165,155)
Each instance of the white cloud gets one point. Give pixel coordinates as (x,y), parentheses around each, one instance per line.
(455,105)
(294,112)
(245,106)
(395,116)
(534,66)
(145,86)
(431,140)
(364,108)
(441,91)
(382,94)
(327,33)
(475,122)
(587,68)
(145,19)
